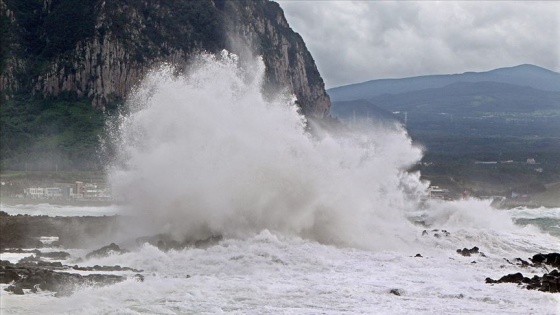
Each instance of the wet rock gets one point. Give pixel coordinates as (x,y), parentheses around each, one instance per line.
(395,292)
(468,252)
(549,282)
(106,251)
(29,259)
(55,264)
(521,262)
(552,259)
(5,263)
(22,231)
(490,280)
(8,275)
(34,261)
(436,233)
(47,276)
(165,242)
(513,278)
(15,290)
(210,241)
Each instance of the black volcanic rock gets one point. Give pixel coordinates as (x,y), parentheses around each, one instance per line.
(549,282)
(23,231)
(106,251)
(552,259)
(45,276)
(468,252)
(165,242)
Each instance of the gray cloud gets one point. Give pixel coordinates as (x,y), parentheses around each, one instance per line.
(356,41)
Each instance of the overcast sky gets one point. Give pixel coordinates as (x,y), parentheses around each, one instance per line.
(356,41)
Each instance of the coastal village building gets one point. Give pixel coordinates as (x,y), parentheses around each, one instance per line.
(78,191)
(34,192)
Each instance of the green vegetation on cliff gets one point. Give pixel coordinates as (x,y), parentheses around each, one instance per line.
(60,59)
(49,134)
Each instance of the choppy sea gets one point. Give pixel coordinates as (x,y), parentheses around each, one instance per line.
(273,273)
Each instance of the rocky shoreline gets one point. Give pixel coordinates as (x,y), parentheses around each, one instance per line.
(24,231)
(54,270)
(33,273)
(548,282)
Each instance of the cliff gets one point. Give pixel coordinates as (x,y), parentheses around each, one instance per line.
(99,49)
(65,63)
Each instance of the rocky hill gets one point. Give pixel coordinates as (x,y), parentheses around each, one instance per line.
(95,51)
(522,75)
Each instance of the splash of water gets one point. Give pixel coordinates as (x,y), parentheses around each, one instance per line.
(204,153)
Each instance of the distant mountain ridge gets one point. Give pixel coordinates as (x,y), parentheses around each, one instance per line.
(521,75)
(522,102)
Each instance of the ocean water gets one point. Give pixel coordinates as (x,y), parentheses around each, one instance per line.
(325,224)
(272,273)
(547,219)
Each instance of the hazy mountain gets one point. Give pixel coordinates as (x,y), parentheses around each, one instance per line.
(522,75)
(471,99)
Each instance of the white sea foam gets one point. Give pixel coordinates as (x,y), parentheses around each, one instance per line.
(273,273)
(204,153)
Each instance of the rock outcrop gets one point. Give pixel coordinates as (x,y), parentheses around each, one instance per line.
(24,231)
(548,282)
(101,49)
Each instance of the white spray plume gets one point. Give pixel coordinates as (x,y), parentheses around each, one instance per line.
(204,153)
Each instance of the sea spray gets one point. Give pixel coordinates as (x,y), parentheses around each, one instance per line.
(204,153)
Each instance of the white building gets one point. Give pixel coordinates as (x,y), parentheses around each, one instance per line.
(34,192)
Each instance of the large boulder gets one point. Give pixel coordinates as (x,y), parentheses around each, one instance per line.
(105,251)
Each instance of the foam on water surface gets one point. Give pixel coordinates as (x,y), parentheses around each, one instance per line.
(270,273)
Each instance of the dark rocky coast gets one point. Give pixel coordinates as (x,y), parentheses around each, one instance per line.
(548,282)
(43,269)
(34,273)
(54,269)
(24,231)
(550,263)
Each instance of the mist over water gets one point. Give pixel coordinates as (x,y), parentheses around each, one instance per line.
(203,153)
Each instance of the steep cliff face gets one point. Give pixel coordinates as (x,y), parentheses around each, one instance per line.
(99,49)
